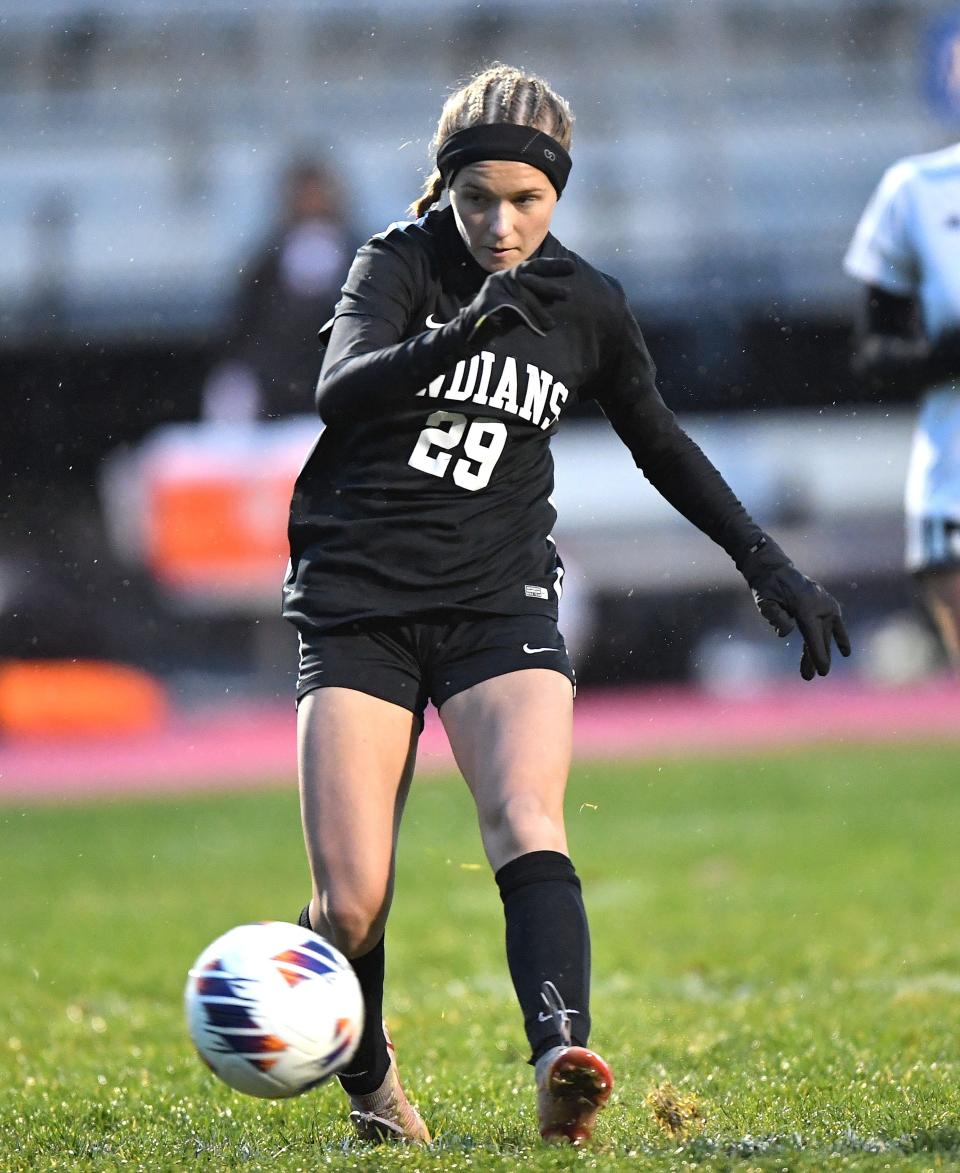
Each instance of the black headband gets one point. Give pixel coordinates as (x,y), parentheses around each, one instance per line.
(504,140)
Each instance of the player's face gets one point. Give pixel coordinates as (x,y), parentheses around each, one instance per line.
(503,211)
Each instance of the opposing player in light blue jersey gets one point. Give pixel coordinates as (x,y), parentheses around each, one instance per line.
(906,250)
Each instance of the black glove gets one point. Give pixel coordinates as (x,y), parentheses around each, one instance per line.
(523,292)
(786,598)
(888,359)
(944,360)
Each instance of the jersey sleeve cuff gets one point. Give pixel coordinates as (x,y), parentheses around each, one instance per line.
(877,271)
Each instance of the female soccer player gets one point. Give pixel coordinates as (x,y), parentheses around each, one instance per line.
(422,567)
(906,251)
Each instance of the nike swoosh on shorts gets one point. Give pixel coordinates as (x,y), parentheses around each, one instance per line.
(533,651)
(433,324)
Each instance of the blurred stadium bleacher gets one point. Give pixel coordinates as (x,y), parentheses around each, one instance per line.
(732,140)
(723,152)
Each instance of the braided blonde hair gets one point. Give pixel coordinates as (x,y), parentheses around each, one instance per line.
(499,93)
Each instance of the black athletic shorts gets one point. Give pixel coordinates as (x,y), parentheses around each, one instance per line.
(410,662)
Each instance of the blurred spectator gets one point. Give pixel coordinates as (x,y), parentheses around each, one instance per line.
(289,290)
(72,48)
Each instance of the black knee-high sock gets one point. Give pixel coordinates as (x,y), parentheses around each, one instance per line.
(367,1069)
(547,940)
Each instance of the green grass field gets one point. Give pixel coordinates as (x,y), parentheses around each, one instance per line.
(776,938)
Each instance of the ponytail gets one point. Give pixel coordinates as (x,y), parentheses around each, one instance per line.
(432,191)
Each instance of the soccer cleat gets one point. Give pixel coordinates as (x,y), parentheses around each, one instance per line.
(573,1084)
(387,1114)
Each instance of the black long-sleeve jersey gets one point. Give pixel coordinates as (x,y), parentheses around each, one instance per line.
(429,487)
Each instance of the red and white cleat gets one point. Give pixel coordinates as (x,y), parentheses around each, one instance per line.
(387,1114)
(573,1084)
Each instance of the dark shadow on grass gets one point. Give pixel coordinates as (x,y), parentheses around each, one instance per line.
(930,1140)
(943,1141)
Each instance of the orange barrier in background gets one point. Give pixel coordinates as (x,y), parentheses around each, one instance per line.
(220,534)
(59,698)
(205,506)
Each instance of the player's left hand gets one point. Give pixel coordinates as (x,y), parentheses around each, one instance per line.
(788,599)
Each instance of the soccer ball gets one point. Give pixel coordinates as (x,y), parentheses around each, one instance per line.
(273,1009)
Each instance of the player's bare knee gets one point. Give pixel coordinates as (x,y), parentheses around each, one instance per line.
(354,924)
(523,819)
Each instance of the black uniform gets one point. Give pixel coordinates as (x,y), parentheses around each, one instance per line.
(421,557)
(428,492)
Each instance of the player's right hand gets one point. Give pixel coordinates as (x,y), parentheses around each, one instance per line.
(522,292)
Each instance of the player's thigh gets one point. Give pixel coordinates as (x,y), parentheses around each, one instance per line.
(355,756)
(511,736)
